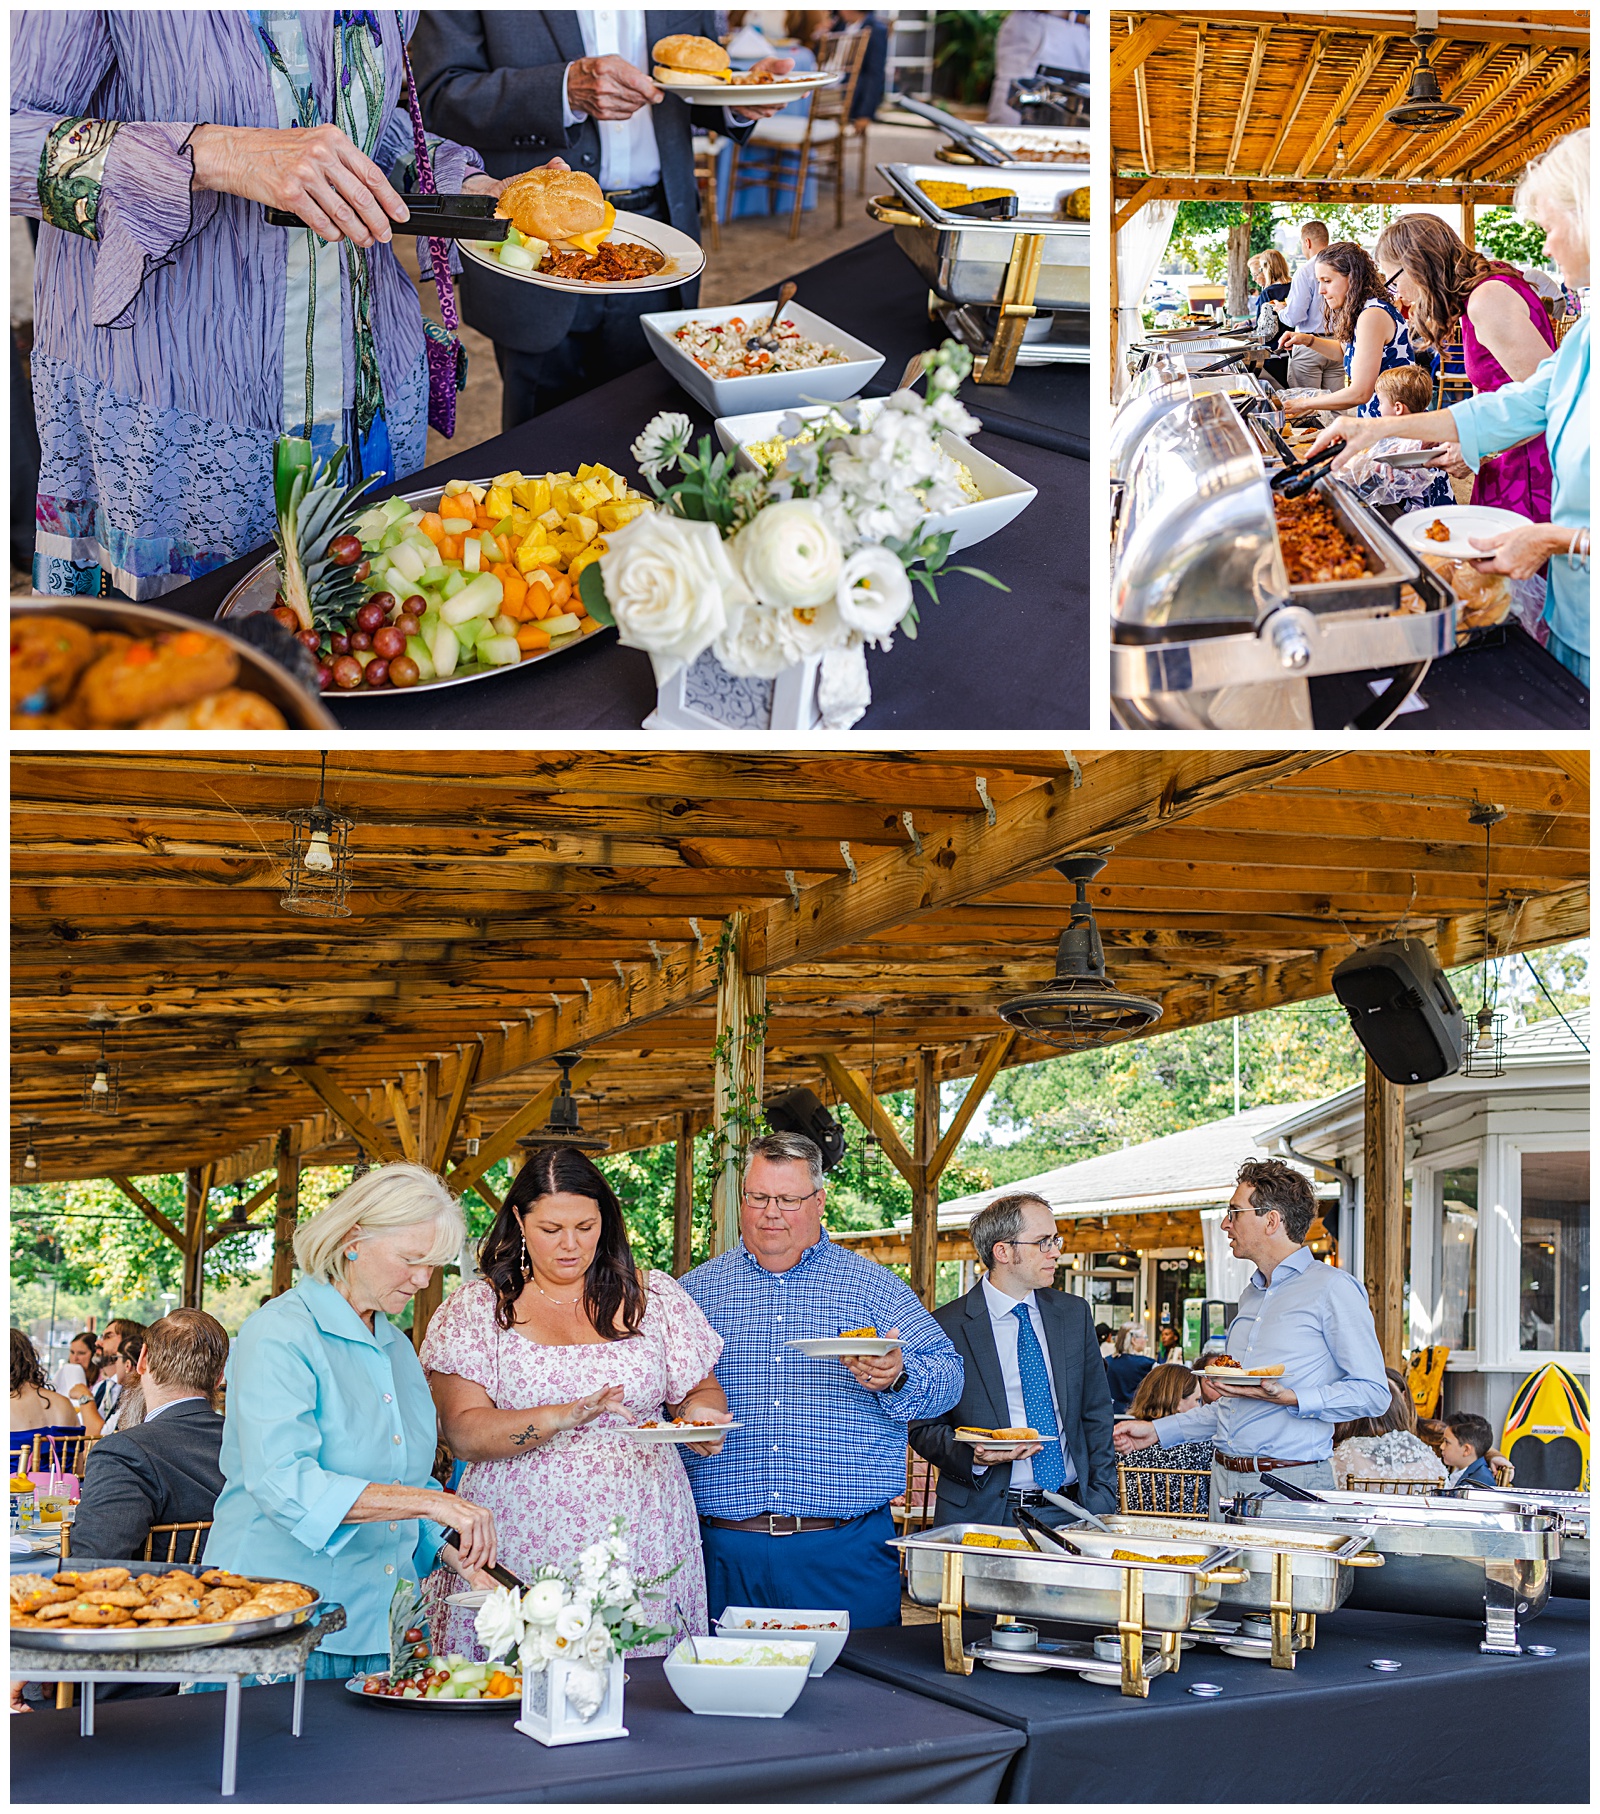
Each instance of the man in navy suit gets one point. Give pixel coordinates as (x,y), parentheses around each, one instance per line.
(1032,1360)
(526,89)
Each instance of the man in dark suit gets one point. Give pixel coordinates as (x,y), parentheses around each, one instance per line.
(526,89)
(1032,1360)
(164,1470)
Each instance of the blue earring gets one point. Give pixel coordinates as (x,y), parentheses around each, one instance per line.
(349,1253)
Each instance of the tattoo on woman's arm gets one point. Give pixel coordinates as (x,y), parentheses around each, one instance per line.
(531,1434)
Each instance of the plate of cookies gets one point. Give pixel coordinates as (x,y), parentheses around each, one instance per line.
(151,1606)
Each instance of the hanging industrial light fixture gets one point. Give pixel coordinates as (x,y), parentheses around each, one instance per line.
(30,1159)
(1339,153)
(1080,1007)
(1483,1050)
(319,858)
(564,1128)
(102,1083)
(870,1143)
(1424,107)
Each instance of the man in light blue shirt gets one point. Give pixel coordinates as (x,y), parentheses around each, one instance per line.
(1303,309)
(1311,1320)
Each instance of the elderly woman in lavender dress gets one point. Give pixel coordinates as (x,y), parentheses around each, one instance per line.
(177,333)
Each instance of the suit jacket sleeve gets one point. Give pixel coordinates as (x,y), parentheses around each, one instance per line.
(933,1438)
(117,1505)
(464,99)
(1100,1490)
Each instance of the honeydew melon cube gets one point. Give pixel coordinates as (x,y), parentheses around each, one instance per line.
(446,651)
(499,651)
(422,655)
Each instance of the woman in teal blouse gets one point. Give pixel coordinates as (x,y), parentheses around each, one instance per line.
(330,1436)
(1554,402)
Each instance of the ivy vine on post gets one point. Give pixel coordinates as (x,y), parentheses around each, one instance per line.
(738,1071)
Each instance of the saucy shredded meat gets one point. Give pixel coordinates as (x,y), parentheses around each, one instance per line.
(615,262)
(1315,546)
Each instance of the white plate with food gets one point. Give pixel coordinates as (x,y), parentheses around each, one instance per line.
(845,1347)
(678,1430)
(680,258)
(1012,1437)
(1419,529)
(377,1689)
(705,351)
(729,90)
(1243,1373)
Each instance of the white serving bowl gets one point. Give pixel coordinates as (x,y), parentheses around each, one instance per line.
(764,390)
(760,1691)
(789,1621)
(1005,496)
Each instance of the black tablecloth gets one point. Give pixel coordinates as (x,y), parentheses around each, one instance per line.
(1506,683)
(982,660)
(1451,1725)
(845,1739)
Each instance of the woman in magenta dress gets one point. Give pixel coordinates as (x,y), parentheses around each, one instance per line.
(538,1366)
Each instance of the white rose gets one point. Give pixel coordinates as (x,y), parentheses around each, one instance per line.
(788,556)
(596,1648)
(873,593)
(667,581)
(572,1622)
(543,1601)
(499,1623)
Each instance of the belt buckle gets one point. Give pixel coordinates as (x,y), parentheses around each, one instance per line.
(772,1526)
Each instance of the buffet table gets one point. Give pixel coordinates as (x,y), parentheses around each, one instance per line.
(1450,1725)
(846,1739)
(981,659)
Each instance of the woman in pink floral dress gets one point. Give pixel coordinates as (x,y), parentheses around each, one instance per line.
(538,1365)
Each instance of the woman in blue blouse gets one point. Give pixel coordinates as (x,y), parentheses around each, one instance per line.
(1554,402)
(330,1435)
(1363,325)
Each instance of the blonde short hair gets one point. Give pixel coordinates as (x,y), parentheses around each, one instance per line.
(1560,180)
(393,1196)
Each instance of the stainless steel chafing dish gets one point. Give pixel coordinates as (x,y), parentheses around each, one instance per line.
(1157,391)
(1013,1584)
(1188,348)
(1570,1571)
(1207,632)
(996,146)
(1440,1556)
(1034,264)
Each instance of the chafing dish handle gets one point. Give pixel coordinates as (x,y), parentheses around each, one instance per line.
(884,208)
(1368,1558)
(1226,1577)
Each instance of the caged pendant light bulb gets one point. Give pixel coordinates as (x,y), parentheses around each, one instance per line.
(319,858)
(102,1092)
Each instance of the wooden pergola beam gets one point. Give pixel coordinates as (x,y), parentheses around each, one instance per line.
(870,1112)
(148,1210)
(1347,98)
(1140,193)
(368,1135)
(1542,137)
(1243,119)
(1383,1208)
(995,1055)
(1479,30)
(1130,53)
(503,1141)
(1308,76)
(466,1076)
(1263,189)
(1195,85)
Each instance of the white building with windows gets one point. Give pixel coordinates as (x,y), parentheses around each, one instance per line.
(1497,1188)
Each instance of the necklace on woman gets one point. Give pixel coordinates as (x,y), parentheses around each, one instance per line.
(567,1302)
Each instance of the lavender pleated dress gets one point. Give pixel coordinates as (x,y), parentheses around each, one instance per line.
(172,345)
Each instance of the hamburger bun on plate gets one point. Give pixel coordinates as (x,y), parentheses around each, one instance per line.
(683,57)
(560,207)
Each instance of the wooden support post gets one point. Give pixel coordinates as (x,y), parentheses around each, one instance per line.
(378,1147)
(430,1118)
(925,1182)
(1469,220)
(739,1071)
(683,1197)
(288,1214)
(402,1121)
(197,1194)
(1383,1199)
(466,1076)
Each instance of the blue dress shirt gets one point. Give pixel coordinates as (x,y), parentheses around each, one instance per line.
(1303,308)
(1316,1321)
(814,1442)
(319,1406)
(1004,1325)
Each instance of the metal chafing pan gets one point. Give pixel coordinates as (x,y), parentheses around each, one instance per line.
(1455,1561)
(1063,147)
(966,261)
(1186,348)
(185,1637)
(1145,403)
(1569,1572)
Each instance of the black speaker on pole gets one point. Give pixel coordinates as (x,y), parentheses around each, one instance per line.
(1403,1010)
(798,1111)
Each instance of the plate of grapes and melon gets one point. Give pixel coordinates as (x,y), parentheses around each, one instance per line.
(434,587)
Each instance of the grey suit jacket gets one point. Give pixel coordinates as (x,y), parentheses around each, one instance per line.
(492,80)
(1082,1396)
(166,1472)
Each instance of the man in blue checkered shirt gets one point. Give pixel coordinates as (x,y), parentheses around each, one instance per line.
(794,1512)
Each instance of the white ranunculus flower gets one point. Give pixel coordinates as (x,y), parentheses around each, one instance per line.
(757,642)
(572,1622)
(543,1601)
(669,583)
(788,556)
(873,593)
(596,1647)
(499,1623)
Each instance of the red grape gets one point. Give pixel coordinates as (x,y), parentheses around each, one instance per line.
(360,639)
(287,618)
(389,642)
(340,643)
(376,672)
(363,570)
(372,615)
(404,672)
(324,676)
(344,550)
(408,625)
(386,600)
(347,672)
(311,639)
(415,605)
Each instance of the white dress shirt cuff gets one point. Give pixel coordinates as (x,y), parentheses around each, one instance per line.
(569,119)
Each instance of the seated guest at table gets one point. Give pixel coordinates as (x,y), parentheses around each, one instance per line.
(1403,390)
(1030,1362)
(1164,1392)
(79,1368)
(1270,269)
(538,1364)
(1298,1313)
(571,90)
(1465,1449)
(330,1430)
(871,83)
(108,1389)
(1170,1342)
(37,1409)
(1127,1366)
(165,1470)
(178,333)
(122,1376)
(1553,402)
(1365,329)
(1107,1341)
(795,1512)
(1303,308)
(1386,1447)
(1030,41)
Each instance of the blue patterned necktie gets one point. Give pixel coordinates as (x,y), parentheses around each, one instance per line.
(1048,1471)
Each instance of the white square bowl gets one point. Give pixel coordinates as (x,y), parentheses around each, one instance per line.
(790,1622)
(1005,496)
(760,1691)
(763,390)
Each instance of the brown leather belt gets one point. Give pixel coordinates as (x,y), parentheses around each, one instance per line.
(775,1524)
(1255,1464)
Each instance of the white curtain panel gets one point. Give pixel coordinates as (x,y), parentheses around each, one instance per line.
(1141,246)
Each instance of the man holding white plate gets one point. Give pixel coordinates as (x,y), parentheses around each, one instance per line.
(1303,1345)
(795,1511)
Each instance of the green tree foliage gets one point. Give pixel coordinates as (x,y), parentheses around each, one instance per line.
(1503,233)
(1200,234)
(966,51)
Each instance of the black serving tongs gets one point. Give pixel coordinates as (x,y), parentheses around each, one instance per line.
(1034,1528)
(993,207)
(1290,1490)
(501,1574)
(432,217)
(1253,357)
(1297,478)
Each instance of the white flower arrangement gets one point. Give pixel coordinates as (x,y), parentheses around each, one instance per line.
(816,559)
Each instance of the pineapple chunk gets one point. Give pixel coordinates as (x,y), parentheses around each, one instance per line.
(508,479)
(551,518)
(478,493)
(499,501)
(613,516)
(587,559)
(524,493)
(584,527)
(530,558)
